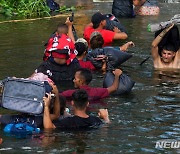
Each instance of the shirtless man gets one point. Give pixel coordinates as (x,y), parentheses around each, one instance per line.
(169,58)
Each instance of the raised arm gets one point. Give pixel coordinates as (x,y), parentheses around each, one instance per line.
(157,40)
(115,84)
(70,32)
(47,122)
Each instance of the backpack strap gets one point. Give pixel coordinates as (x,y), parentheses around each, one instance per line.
(62,51)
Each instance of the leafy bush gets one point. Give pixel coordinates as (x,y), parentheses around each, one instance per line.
(27,8)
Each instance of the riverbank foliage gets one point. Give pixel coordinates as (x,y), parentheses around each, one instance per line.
(27,8)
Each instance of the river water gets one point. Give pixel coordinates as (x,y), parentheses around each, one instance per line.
(151,112)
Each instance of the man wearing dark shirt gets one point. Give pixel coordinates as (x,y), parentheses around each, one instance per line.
(80,120)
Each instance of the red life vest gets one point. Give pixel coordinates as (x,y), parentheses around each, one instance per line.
(58,43)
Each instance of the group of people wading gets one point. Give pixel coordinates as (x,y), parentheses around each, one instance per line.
(67,60)
(165,55)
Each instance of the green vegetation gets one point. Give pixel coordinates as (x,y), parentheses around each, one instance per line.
(27,8)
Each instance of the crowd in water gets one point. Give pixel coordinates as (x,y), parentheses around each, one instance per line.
(70,60)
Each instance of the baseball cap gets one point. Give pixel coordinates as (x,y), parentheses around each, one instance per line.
(82,40)
(97,18)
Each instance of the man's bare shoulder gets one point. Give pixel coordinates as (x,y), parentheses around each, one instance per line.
(177,59)
(157,62)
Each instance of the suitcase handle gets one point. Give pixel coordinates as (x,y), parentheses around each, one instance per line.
(39,83)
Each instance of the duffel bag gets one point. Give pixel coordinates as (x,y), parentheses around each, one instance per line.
(125,83)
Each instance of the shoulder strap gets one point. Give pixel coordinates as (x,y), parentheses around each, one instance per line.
(62,51)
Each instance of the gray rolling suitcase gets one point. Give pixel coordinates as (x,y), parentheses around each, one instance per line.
(23,95)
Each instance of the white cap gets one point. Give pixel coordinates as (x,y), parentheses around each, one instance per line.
(82,40)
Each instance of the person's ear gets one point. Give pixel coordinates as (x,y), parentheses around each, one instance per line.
(87,104)
(84,53)
(174,53)
(81,80)
(72,103)
(101,23)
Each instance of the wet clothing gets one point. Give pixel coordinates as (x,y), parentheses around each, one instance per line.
(59,73)
(93,93)
(148,8)
(107,35)
(123,8)
(78,123)
(87,64)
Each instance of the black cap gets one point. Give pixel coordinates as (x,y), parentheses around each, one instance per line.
(97,18)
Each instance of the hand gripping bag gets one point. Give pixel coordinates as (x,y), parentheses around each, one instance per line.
(23,95)
(115,57)
(125,83)
(92,55)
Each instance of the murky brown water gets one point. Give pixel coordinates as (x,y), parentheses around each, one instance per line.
(149,113)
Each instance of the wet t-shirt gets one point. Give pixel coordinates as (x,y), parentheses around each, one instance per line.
(87,64)
(93,93)
(78,123)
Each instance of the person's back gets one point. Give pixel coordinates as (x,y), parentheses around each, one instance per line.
(80,120)
(60,61)
(82,49)
(59,41)
(61,74)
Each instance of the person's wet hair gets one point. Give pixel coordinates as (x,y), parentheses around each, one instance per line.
(85,74)
(96,42)
(171,37)
(170,47)
(62,101)
(81,48)
(62,28)
(80,98)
